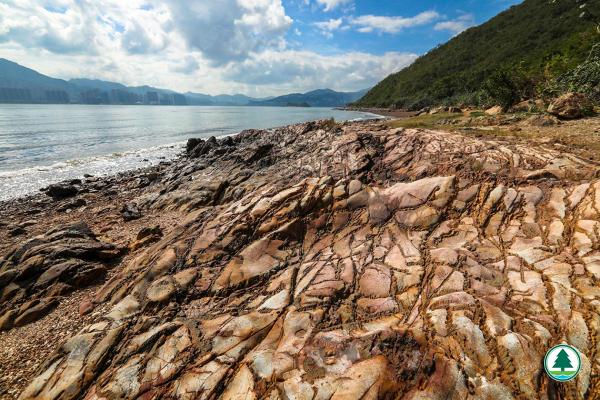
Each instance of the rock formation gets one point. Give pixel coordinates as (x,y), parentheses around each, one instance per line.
(354,261)
(39,271)
(571,106)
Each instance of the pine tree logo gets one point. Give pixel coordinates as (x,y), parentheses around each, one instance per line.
(562,363)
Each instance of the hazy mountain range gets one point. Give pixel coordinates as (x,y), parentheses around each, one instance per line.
(19,84)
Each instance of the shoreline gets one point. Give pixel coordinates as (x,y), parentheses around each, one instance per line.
(26,181)
(93,188)
(384,112)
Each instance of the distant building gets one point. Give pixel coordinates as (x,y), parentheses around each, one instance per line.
(13,95)
(94,96)
(118,96)
(179,100)
(152,98)
(57,96)
(166,100)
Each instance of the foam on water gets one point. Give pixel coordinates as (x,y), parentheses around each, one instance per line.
(28,181)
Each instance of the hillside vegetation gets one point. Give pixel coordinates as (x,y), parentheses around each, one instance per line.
(533,43)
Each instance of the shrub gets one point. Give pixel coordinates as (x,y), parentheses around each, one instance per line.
(585,78)
(506,87)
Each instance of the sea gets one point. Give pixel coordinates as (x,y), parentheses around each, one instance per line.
(44,144)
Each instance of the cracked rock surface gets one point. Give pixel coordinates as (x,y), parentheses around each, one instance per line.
(352,261)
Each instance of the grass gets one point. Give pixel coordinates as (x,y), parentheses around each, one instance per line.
(582,136)
(478,114)
(424,121)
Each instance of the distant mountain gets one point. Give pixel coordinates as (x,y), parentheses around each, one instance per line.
(315,98)
(97,84)
(19,84)
(538,37)
(219,100)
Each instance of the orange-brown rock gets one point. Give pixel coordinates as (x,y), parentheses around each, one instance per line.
(350,261)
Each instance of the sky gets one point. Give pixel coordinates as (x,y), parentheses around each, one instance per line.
(254,47)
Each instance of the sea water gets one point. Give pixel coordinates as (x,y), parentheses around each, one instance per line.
(43,144)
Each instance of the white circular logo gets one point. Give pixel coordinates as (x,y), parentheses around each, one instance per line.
(562,363)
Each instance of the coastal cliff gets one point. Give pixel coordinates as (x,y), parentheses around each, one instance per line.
(340,261)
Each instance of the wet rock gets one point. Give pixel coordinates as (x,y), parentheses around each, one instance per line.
(197,147)
(59,191)
(192,144)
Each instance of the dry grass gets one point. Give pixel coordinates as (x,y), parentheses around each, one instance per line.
(581,136)
(425,121)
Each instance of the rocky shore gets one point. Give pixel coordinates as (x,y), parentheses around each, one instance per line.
(315,261)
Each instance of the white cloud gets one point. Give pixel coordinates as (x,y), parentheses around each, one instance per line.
(371,23)
(224,30)
(332,4)
(84,26)
(457,25)
(141,39)
(210,46)
(229,30)
(188,66)
(304,70)
(327,27)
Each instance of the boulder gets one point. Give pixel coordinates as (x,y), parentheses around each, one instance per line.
(59,191)
(437,110)
(77,203)
(524,106)
(571,106)
(423,111)
(130,212)
(542,120)
(192,144)
(198,147)
(7,319)
(496,110)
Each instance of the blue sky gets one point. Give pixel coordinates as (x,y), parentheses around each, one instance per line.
(256,47)
(452,16)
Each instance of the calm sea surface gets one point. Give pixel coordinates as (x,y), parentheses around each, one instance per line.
(42,144)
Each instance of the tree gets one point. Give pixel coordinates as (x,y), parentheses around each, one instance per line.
(562,360)
(507,86)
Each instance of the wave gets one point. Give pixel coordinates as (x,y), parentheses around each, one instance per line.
(26,181)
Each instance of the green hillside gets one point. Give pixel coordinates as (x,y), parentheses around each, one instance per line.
(540,39)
